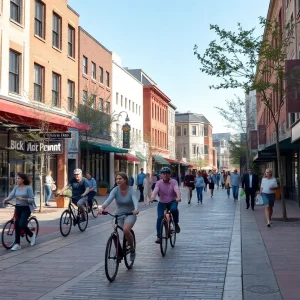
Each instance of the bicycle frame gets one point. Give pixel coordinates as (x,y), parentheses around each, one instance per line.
(15,218)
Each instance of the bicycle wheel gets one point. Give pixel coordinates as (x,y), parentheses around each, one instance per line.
(8,234)
(126,251)
(33,225)
(82,225)
(163,237)
(95,208)
(111,258)
(65,223)
(172,233)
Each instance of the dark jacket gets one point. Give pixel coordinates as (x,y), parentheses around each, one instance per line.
(188,179)
(246,182)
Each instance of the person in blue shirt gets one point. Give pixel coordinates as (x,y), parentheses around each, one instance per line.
(140,184)
(131,180)
(93,188)
(199,184)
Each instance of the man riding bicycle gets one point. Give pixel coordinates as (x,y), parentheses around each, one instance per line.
(80,188)
(169,196)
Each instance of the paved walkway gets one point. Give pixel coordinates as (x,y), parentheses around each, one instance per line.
(205,263)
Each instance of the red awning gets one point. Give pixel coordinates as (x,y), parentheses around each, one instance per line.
(128,157)
(22,114)
(172,161)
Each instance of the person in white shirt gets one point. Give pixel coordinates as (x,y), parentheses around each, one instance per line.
(267,191)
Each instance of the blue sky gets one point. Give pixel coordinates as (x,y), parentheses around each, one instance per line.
(158,36)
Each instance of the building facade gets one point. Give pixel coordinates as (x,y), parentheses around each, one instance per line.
(221,143)
(171,129)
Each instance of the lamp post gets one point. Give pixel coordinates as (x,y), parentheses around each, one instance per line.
(126,130)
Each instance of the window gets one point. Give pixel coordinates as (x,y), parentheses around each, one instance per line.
(117,98)
(38,82)
(93,70)
(55,90)
(14,72)
(205,131)
(184,131)
(84,65)
(84,97)
(93,101)
(15,10)
(125,103)
(39,19)
(205,149)
(178,131)
(194,130)
(139,110)
(129,104)
(107,110)
(184,151)
(194,149)
(107,79)
(71,41)
(136,108)
(56,31)
(101,74)
(132,106)
(71,89)
(101,104)
(121,100)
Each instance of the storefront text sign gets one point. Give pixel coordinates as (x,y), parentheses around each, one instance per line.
(51,147)
(56,135)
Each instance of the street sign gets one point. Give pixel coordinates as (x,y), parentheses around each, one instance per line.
(56,135)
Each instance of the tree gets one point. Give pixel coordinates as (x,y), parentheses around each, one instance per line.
(254,63)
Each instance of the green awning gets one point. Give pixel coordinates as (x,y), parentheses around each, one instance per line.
(160,160)
(140,156)
(103,147)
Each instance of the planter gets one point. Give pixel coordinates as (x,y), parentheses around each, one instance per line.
(277,194)
(102,191)
(62,202)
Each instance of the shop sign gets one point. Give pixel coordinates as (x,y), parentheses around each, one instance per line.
(126,136)
(51,147)
(56,135)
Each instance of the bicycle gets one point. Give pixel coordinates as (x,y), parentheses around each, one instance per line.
(8,237)
(71,216)
(167,231)
(114,251)
(94,209)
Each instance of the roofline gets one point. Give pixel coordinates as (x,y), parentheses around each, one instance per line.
(127,72)
(84,31)
(172,105)
(159,91)
(75,12)
(208,122)
(144,74)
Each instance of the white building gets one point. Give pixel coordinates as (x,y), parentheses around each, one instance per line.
(171,130)
(14,50)
(127,99)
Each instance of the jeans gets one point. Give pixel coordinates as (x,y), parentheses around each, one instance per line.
(141,189)
(91,196)
(160,213)
(235,192)
(48,193)
(23,213)
(250,192)
(199,193)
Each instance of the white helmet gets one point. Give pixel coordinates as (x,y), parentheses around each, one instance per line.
(77,171)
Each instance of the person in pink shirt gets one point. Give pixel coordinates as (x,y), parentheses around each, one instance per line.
(169,196)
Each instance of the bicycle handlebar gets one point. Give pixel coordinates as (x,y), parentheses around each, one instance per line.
(115,216)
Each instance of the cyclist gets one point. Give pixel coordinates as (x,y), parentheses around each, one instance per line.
(169,196)
(80,188)
(93,188)
(25,204)
(126,202)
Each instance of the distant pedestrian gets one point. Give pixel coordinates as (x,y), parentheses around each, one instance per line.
(250,187)
(228,183)
(153,181)
(147,189)
(93,188)
(218,178)
(267,190)
(139,182)
(211,183)
(131,180)
(189,183)
(204,175)
(223,179)
(199,184)
(235,184)
(49,186)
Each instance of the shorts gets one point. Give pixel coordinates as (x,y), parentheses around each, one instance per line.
(81,201)
(128,219)
(211,186)
(268,199)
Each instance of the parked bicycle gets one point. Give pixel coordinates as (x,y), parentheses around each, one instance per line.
(167,231)
(8,231)
(70,216)
(114,252)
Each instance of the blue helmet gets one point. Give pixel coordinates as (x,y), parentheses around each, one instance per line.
(165,170)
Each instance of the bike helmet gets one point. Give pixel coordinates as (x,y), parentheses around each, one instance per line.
(165,170)
(77,171)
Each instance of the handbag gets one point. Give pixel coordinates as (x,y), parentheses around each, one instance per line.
(53,186)
(242,193)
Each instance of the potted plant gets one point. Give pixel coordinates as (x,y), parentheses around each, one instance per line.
(102,188)
(63,202)
(277,191)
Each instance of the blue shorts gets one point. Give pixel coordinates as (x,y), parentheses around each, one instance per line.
(268,199)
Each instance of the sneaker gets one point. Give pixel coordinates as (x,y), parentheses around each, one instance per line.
(16,247)
(177,228)
(32,239)
(132,254)
(157,241)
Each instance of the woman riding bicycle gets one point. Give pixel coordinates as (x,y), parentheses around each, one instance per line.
(25,204)
(126,202)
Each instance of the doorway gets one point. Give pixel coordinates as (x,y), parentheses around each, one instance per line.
(71,168)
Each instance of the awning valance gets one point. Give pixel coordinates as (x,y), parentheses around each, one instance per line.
(160,160)
(103,147)
(140,156)
(128,157)
(172,161)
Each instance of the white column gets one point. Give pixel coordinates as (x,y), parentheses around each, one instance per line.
(111,169)
(133,171)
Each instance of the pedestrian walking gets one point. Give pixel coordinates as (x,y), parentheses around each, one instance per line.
(199,184)
(49,186)
(218,178)
(223,179)
(153,181)
(189,183)
(267,191)
(228,183)
(250,187)
(147,189)
(93,188)
(211,183)
(131,180)
(139,182)
(235,184)
(204,175)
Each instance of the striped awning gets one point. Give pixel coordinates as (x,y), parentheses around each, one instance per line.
(160,160)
